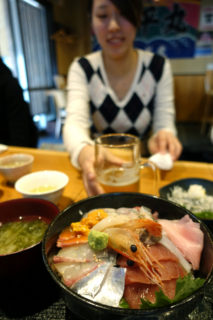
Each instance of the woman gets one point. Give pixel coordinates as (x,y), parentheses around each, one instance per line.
(118,89)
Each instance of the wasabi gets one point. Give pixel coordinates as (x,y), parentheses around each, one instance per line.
(98,240)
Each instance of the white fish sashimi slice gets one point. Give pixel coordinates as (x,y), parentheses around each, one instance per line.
(170,245)
(72,273)
(79,253)
(75,262)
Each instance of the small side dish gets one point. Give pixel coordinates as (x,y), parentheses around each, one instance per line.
(45,184)
(16,165)
(194,199)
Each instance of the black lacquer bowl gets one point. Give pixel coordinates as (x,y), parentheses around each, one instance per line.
(11,265)
(87,309)
(185,184)
(25,284)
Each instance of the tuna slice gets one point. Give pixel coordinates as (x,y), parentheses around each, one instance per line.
(168,269)
(138,286)
(134,292)
(187,237)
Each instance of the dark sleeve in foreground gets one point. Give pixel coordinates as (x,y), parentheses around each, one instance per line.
(16,125)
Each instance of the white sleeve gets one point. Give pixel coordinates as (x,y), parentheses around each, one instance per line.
(164,112)
(76,130)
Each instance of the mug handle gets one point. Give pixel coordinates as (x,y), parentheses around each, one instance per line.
(155,170)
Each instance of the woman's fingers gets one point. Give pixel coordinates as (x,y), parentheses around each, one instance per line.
(165,141)
(91,184)
(86,161)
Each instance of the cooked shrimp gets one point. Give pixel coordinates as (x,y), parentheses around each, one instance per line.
(153,227)
(126,242)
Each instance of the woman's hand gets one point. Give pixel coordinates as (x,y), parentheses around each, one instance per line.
(86,161)
(165,141)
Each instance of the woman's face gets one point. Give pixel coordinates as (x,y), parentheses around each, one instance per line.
(114,32)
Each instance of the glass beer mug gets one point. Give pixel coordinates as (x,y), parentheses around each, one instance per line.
(118,163)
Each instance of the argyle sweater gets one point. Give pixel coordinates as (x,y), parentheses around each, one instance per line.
(93,107)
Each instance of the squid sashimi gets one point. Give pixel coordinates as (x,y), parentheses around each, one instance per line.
(127,253)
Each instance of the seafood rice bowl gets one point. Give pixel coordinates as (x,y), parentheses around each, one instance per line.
(129,256)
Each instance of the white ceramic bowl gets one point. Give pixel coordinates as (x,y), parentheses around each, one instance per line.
(47,184)
(14,166)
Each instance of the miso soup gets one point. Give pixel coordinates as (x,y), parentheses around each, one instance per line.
(18,235)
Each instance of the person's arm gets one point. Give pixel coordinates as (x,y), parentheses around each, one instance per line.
(164,131)
(164,113)
(76,131)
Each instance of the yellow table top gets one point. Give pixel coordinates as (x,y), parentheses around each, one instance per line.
(74,191)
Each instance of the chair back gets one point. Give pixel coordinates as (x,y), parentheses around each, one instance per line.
(59,96)
(60,81)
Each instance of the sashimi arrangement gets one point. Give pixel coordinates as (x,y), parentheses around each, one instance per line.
(130,258)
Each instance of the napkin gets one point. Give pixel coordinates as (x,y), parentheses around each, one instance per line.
(162,160)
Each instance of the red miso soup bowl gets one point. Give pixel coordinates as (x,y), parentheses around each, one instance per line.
(13,265)
(89,309)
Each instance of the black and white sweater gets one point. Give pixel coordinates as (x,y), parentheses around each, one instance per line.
(93,107)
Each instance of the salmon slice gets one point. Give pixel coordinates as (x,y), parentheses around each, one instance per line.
(72,241)
(69,238)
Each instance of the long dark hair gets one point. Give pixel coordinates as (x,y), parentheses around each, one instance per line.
(130,9)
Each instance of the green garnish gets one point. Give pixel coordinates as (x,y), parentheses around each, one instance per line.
(204,215)
(123,304)
(184,287)
(98,240)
